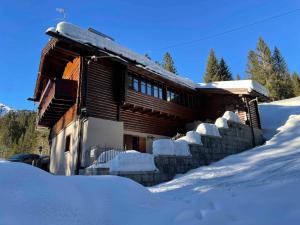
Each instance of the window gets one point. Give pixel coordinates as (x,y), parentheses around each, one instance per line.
(160,93)
(176,98)
(190,104)
(129,81)
(135,84)
(143,87)
(170,96)
(68,143)
(155,91)
(149,89)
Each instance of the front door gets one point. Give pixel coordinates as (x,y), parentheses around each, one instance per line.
(134,143)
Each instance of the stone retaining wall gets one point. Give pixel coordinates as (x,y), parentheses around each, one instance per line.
(235,139)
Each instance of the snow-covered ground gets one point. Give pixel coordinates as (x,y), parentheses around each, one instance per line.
(275,114)
(260,186)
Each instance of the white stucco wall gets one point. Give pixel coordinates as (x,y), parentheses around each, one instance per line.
(60,162)
(96,132)
(103,133)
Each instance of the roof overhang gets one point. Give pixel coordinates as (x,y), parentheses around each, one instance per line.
(232,91)
(55,56)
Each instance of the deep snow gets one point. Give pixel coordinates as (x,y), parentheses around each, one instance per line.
(275,114)
(260,186)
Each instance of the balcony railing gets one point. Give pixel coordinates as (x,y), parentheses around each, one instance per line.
(58,96)
(138,102)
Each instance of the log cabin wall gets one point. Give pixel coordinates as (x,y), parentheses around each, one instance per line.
(101,104)
(99,91)
(216,105)
(71,72)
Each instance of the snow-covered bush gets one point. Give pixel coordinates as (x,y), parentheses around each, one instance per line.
(171,147)
(132,161)
(208,129)
(231,116)
(192,137)
(221,123)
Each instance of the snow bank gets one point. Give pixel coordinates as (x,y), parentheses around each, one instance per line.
(249,85)
(171,147)
(221,122)
(274,114)
(192,137)
(30,196)
(208,129)
(258,186)
(132,161)
(231,116)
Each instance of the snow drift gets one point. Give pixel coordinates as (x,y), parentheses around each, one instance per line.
(259,186)
(275,114)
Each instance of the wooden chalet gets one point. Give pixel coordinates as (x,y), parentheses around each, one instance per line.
(92,91)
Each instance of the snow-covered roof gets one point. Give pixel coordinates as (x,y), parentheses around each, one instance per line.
(87,37)
(84,36)
(250,85)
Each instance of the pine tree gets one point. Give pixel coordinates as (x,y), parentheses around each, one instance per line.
(280,84)
(259,66)
(212,68)
(168,63)
(295,83)
(18,134)
(238,77)
(223,71)
(270,70)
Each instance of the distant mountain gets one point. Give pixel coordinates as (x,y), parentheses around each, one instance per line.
(4,109)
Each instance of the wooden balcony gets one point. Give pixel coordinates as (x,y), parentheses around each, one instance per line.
(58,96)
(145,104)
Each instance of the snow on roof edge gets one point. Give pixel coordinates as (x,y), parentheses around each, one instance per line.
(83,36)
(250,85)
(86,37)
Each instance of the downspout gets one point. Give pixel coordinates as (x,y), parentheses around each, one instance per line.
(81,110)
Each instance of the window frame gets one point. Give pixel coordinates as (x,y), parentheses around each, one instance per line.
(68,143)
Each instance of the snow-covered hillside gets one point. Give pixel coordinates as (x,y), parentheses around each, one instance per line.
(4,109)
(275,114)
(260,186)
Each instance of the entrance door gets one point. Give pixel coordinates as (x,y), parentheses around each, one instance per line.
(135,143)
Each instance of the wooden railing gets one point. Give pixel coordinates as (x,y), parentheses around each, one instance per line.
(155,104)
(57,97)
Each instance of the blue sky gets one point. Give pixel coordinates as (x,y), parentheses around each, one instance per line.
(145,27)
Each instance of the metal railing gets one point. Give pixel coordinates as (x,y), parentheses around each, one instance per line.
(92,156)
